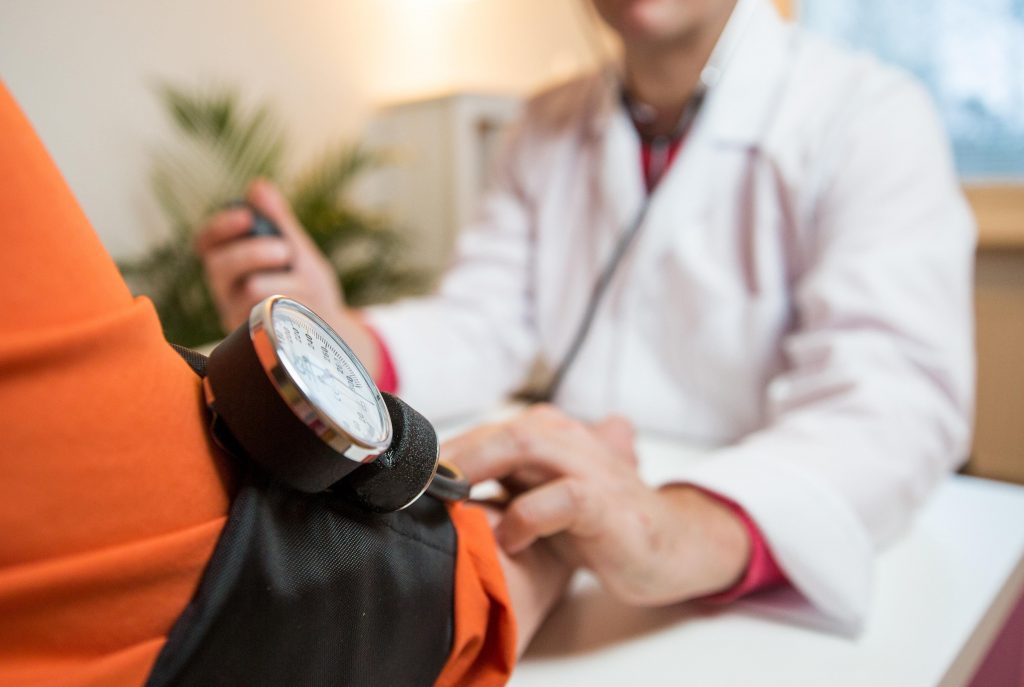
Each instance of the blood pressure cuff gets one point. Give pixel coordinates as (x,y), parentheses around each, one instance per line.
(309,589)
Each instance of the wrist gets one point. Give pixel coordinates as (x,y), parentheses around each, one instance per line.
(716,545)
(536,579)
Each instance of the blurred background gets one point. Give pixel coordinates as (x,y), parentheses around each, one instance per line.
(380,118)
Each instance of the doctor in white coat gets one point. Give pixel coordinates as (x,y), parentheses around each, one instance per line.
(796,299)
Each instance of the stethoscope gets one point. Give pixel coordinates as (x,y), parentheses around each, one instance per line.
(710,76)
(661,145)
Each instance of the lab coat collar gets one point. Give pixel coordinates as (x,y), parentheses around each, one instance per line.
(751,58)
(743,77)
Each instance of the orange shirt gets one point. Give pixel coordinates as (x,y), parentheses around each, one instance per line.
(111,495)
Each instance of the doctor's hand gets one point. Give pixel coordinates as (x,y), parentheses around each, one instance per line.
(241,271)
(578,485)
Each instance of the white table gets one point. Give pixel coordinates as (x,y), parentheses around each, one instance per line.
(941,594)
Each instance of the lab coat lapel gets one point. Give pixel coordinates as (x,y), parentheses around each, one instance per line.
(752,60)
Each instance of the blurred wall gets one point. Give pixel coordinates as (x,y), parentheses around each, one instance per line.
(83,71)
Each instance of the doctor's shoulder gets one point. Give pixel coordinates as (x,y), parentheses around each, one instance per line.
(836,103)
(562,107)
(551,125)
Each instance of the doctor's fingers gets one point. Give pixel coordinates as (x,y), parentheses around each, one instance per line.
(567,505)
(268,199)
(229,266)
(472,453)
(235,222)
(222,227)
(526,478)
(475,451)
(316,277)
(504,449)
(618,433)
(230,263)
(259,285)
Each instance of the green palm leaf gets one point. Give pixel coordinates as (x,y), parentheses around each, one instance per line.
(222,146)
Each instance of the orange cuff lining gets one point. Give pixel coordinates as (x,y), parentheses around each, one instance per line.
(484,644)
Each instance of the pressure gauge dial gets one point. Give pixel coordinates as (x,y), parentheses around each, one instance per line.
(287,392)
(320,378)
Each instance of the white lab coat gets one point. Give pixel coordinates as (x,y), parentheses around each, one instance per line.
(799,297)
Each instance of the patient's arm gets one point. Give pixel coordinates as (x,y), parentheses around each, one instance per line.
(113,496)
(536,579)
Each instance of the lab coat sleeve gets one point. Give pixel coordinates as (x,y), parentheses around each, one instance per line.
(465,348)
(875,400)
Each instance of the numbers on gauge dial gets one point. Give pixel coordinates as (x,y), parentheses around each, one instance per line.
(328,376)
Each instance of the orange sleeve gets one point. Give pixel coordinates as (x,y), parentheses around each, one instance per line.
(112,498)
(483,649)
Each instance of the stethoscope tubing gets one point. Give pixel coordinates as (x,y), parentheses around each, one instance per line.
(626,239)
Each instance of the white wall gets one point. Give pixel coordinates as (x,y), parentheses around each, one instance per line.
(83,70)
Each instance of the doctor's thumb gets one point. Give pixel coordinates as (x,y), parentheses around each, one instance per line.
(618,433)
(266,197)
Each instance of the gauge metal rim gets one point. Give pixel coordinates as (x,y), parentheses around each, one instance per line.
(292,390)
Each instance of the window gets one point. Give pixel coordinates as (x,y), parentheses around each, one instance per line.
(970,54)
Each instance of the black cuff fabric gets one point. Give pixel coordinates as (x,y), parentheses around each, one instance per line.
(309,589)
